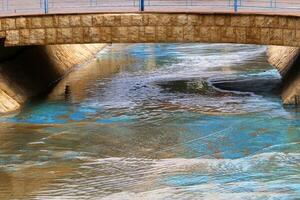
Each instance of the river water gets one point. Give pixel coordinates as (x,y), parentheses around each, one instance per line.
(157,121)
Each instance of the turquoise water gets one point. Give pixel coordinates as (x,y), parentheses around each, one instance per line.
(163,121)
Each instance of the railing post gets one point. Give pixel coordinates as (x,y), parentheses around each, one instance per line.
(142,5)
(6,4)
(235,5)
(46,6)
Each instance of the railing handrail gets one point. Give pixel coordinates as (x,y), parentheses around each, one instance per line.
(58,6)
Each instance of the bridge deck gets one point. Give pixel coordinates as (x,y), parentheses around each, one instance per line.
(35,7)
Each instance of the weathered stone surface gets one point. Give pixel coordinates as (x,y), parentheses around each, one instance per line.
(36,22)
(288,37)
(119,34)
(111,20)
(204,32)
(265,36)
(75,21)
(297,23)
(215,34)
(98,20)
(208,20)
(153,20)
(106,34)
(126,20)
(188,33)
(133,33)
(253,35)
(241,35)
(161,33)
(24,36)
(297,37)
(276,36)
(283,22)
(138,20)
(150,33)
(22,22)
(181,20)
(48,22)
(177,34)
(240,21)
(8,24)
(193,20)
(94,34)
(13,37)
(37,36)
(64,36)
(228,34)
(86,20)
(165,20)
(291,23)
(78,35)
(64,21)
(142,34)
(220,20)
(51,36)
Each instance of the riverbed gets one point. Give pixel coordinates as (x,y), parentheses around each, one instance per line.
(157,121)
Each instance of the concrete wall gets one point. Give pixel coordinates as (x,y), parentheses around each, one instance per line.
(151,27)
(287,61)
(282,58)
(34,70)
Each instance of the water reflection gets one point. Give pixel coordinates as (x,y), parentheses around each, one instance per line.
(74,86)
(156,122)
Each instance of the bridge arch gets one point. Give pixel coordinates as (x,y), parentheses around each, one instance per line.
(157,27)
(249,28)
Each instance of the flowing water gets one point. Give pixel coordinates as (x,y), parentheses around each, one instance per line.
(157,121)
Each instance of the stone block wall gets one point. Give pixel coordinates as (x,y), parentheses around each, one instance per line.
(150,28)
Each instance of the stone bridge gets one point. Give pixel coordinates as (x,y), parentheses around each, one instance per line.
(46,30)
(151,27)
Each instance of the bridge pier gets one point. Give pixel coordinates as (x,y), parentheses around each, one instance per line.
(287,61)
(28,72)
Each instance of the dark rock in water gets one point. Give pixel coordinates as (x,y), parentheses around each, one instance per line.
(232,87)
(257,86)
(187,86)
(195,86)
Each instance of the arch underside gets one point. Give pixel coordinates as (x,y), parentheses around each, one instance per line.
(259,29)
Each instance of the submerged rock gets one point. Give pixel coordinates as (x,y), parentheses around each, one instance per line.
(199,87)
(253,85)
(232,87)
(188,86)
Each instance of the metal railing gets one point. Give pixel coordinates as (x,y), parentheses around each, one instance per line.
(20,7)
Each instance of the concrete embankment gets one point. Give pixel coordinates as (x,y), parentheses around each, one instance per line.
(27,72)
(287,61)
